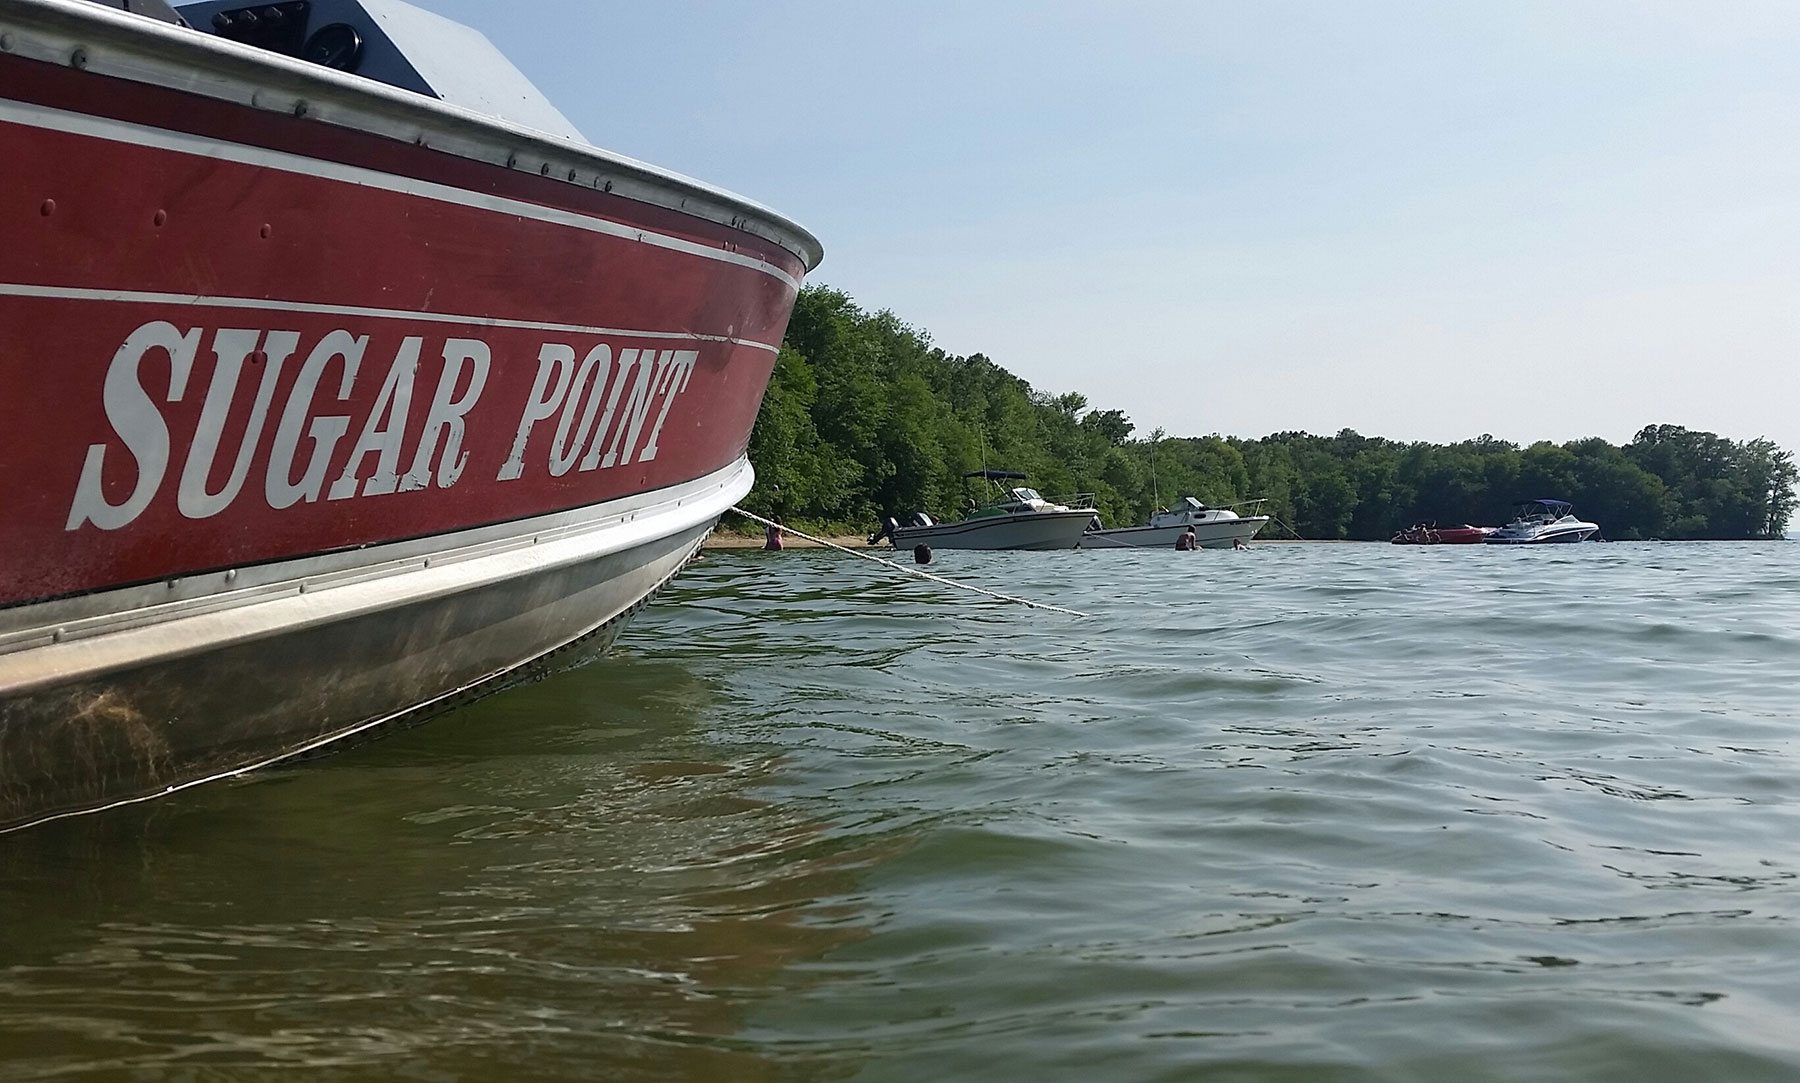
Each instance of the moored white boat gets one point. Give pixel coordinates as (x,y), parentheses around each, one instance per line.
(1541,522)
(1214,528)
(1022,519)
(328,395)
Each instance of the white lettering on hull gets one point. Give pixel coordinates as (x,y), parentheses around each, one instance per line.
(445,421)
(138,424)
(385,431)
(561,386)
(602,406)
(232,349)
(280,488)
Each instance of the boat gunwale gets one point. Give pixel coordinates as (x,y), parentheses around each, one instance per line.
(94,38)
(995,520)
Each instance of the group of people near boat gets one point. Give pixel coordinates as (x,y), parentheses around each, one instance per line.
(1187,541)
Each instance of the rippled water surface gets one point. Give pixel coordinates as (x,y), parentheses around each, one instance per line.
(1299,813)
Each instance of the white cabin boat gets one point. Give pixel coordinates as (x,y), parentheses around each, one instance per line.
(1022,519)
(1214,528)
(1543,521)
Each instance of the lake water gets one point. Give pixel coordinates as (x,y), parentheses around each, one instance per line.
(1306,812)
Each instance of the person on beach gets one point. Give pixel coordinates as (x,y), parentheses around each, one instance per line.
(772,534)
(1187,541)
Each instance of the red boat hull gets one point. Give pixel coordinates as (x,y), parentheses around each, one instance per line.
(307,427)
(217,349)
(1433,535)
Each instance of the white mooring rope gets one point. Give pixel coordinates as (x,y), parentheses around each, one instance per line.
(903,568)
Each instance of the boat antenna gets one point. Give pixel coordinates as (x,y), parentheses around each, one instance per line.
(988,484)
(1155,496)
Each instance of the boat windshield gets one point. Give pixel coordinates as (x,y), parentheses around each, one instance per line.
(1025,496)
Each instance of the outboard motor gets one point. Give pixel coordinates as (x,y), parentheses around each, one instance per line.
(921,519)
(887,530)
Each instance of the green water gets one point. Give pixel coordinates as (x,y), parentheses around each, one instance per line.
(1323,812)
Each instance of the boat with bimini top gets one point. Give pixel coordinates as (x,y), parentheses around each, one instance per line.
(340,380)
(1543,521)
(1019,519)
(1214,528)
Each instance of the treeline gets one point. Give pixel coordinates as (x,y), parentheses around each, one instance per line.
(865,418)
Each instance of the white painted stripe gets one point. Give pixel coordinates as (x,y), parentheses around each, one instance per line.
(118,131)
(73,293)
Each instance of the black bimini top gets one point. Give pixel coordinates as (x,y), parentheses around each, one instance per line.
(996,475)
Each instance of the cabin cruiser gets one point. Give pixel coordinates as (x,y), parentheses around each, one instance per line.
(1542,521)
(1020,519)
(1214,528)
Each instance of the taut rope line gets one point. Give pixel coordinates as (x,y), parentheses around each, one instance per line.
(1289,529)
(903,568)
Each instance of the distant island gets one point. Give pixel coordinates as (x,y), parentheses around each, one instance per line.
(864,417)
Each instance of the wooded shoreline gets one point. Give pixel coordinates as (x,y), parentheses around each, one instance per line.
(726,539)
(865,418)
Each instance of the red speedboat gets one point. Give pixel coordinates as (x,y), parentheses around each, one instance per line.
(339,380)
(1432,534)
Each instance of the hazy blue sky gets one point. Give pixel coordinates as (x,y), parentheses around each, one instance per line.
(1417,220)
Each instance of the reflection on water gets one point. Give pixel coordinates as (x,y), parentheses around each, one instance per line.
(1303,812)
(574,872)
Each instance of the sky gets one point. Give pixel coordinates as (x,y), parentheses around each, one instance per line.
(1425,221)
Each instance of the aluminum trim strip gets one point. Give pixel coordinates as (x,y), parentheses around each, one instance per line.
(148,51)
(123,640)
(77,293)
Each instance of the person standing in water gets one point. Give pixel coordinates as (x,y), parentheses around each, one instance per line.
(1187,541)
(772,534)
